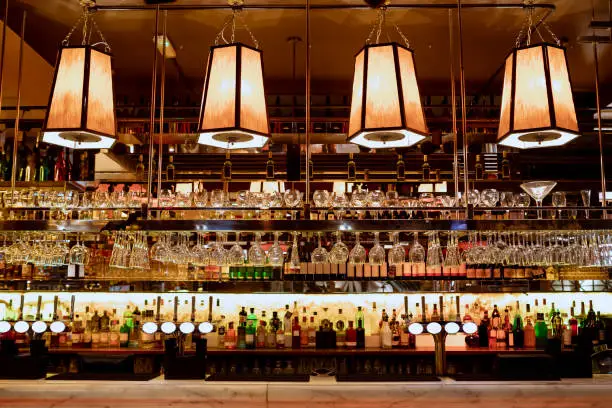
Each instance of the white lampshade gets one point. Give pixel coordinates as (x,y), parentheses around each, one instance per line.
(81,112)
(386,108)
(537,107)
(234,113)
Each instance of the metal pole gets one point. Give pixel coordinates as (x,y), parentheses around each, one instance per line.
(18,108)
(308,44)
(162,97)
(453,102)
(463,109)
(152,119)
(2,50)
(599,130)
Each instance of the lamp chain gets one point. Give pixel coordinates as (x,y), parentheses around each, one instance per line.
(378,28)
(88,22)
(529,27)
(231,21)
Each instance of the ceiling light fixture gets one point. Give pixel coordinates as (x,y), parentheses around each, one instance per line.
(81,111)
(234,113)
(386,108)
(537,107)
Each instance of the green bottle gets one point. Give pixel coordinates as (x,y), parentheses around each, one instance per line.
(251,329)
(541,331)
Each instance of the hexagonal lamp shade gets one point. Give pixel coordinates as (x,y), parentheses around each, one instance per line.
(537,107)
(386,108)
(81,112)
(234,113)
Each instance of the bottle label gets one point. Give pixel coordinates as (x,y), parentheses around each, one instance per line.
(296,333)
(76,338)
(123,337)
(250,339)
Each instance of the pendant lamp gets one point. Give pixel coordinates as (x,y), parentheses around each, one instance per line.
(81,111)
(234,113)
(386,110)
(537,108)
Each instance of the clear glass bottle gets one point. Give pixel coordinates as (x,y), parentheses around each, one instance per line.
(386,335)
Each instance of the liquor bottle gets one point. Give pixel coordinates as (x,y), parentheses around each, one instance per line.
(435,316)
(261,331)
(591,318)
(483,330)
(170,169)
(59,172)
(229,340)
(312,333)
(425,169)
(529,332)
(340,330)
(505,337)
(519,334)
(83,166)
(557,326)
(304,332)
(567,334)
(601,328)
(140,168)
(541,330)
(227,167)
(351,168)
(270,172)
(386,333)
(287,326)
(478,168)
(251,329)
(573,323)
(400,168)
(351,336)
(467,317)
(581,318)
(395,334)
(280,336)
(495,327)
(296,333)
(506,172)
(271,334)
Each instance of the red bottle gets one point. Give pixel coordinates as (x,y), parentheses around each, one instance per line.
(351,336)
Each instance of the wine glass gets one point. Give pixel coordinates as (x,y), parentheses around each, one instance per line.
(217,198)
(339,202)
(275,253)
(292,199)
(358,253)
(377,252)
(397,254)
(218,256)
(376,199)
(320,254)
(256,254)
(489,198)
(322,199)
(417,256)
(200,198)
(586,201)
(339,252)
(359,197)
(79,254)
(235,254)
(473,197)
(242,198)
(559,200)
(294,261)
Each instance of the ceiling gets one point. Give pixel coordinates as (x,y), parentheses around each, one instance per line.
(336,36)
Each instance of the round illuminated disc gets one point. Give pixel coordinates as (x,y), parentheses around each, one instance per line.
(415,328)
(57,327)
(205,327)
(434,328)
(451,328)
(5,326)
(39,327)
(539,137)
(149,327)
(187,327)
(21,326)
(80,137)
(470,327)
(168,327)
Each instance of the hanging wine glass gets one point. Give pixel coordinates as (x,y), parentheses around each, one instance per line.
(339,252)
(294,261)
(397,254)
(218,256)
(320,254)
(235,254)
(377,252)
(79,254)
(417,257)
(275,253)
(200,252)
(358,253)
(256,254)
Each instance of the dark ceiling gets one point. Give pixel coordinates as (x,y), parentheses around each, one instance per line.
(336,36)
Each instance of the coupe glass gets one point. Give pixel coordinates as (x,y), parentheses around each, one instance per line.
(256,254)
(275,253)
(320,254)
(339,252)
(377,252)
(559,200)
(358,253)
(586,201)
(538,190)
(397,254)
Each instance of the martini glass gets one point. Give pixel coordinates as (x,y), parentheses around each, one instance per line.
(538,190)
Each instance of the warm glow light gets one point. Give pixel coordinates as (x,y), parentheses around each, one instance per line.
(386,110)
(470,327)
(170,51)
(81,112)
(187,327)
(205,327)
(537,107)
(434,328)
(233,114)
(451,328)
(415,329)
(168,327)
(5,326)
(149,327)
(21,326)
(57,327)
(39,327)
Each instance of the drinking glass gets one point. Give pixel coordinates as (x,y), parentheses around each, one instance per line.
(586,201)
(339,202)
(166,199)
(217,198)
(489,198)
(473,197)
(79,254)
(397,254)
(358,253)
(339,252)
(235,254)
(275,253)
(218,255)
(320,254)
(559,200)
(201,254)
(417,252)
(392,198)
(359,197)
(242,198)
(377,252)
(256,254)
(538,190)
(292,197)
(200,198)
(321,198)
(427,199)
(294,261)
